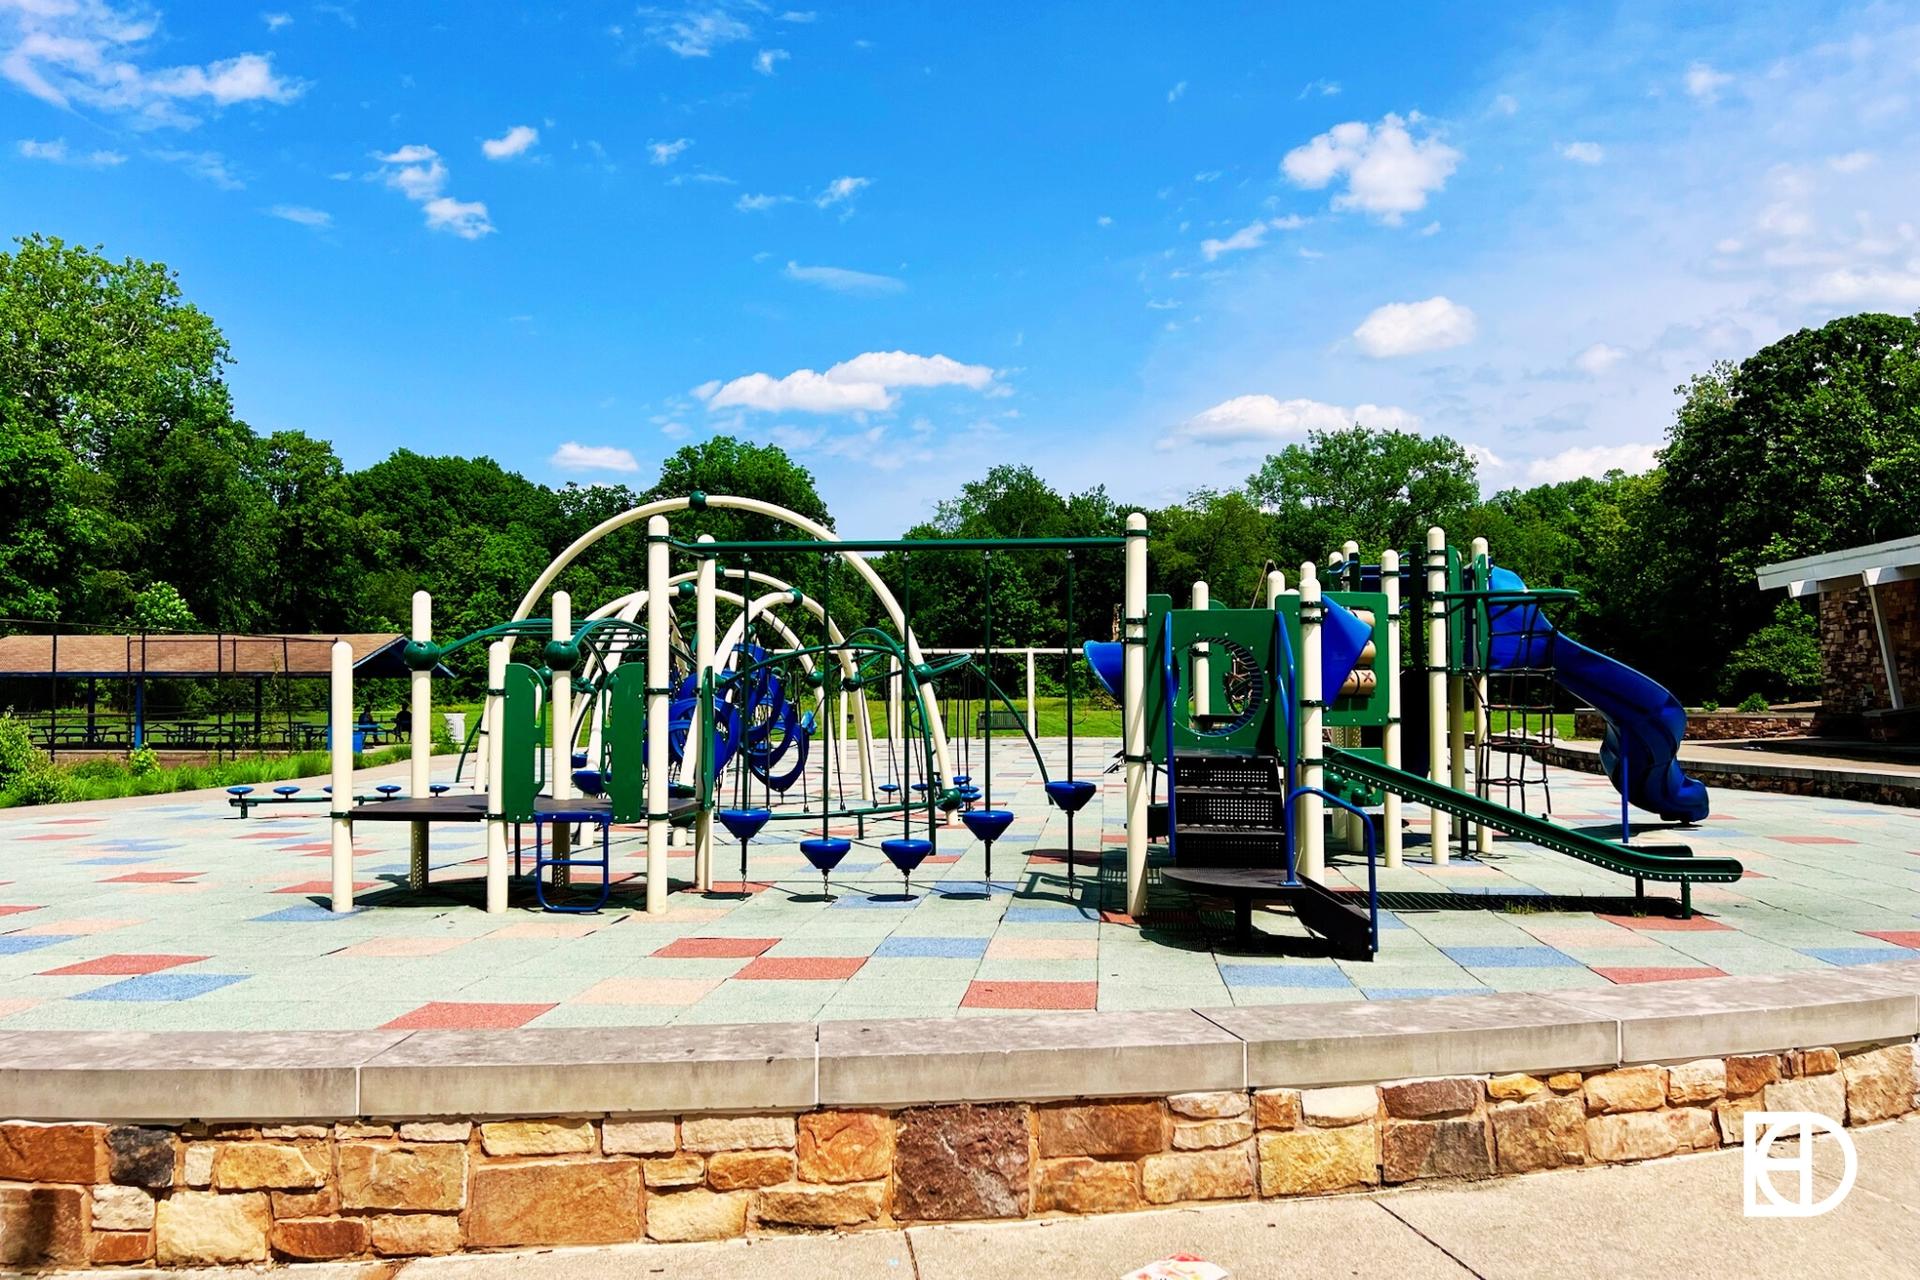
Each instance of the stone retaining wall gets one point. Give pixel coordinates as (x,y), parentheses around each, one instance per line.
(74,1194)
(1835,783)
(1716,726)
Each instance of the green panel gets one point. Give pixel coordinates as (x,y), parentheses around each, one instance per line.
(626,742)
(1240,645)
(520,742)
(1369,709)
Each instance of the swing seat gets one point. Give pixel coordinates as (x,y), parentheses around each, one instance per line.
(590,781)
(1071,796)
(906,854)
(987,824)
(285,791)
(824,852)
(744,824)
(579,759)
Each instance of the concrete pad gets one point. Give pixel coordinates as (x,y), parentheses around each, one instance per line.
(874,1253)
(1297,1045)
(1670,1217)
(1342,1237)
(1025,1057)
(637,1070)
(1670,1021)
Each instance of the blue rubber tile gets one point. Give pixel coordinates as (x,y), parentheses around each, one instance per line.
(1050,915)
(947,888)
(868,902)
(1859,955)
(307,913)
(1279,975)
(1510,958)
(14,944)
(120,861)
(936,948)
(156,988)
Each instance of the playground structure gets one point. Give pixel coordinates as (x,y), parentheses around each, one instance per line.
(1283,732)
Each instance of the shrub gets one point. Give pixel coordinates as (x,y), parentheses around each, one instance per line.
(1709,705)
(1780,660)
(143,760)
(18,754)
(42,786)
(1754,702)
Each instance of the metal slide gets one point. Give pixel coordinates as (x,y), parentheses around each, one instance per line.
(1670,864)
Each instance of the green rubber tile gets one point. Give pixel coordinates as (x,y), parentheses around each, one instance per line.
(608,1015)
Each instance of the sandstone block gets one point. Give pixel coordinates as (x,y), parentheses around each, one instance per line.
(436,1131)
(317,1239)
(1220,1105)
(197,1166)
(537,1137)
(1813,1062)
(197,1228)
(1431,1099)
(119,1248)
(412,1235)
(639,1137)
(323,1203)
(676,1171)
(1565,1082)
(52,1153)
(345,1131)
(1515,1088)
(1452,1148)
(1331,1108)
(845,1146)
(1628,1089)
(737,1133)
(820,1205)
(1729,1114)
(1101,1128)
(1632,1135)
(744,1170)
(317,1132)
(1547,1134)
(698,1214)
(1700,1081)
(1752,1072)
(1879,1083)
(141,1157)
(256,1166)
(1197,1175)
(958,1162)
(1309,1161)
(1202,1135)
(426,1176)
(555,1203)
(1277,1109)
(1826,1094)
(1080,1185)
(1693,1128)
(40,1226)
(122,1209)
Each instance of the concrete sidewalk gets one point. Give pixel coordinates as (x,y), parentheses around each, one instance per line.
(1670,1218)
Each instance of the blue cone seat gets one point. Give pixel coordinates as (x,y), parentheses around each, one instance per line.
(1070,797)
(744,824)
(825,852)
(987,824)
(590,781)
(239,791)
(906,853)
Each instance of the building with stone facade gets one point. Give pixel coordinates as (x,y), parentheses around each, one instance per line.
(1869,599)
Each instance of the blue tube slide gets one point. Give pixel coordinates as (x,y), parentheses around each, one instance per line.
(1342,640)
(1645,723)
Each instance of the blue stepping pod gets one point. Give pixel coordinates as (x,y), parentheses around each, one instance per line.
(825,853)
(388,790)
(590,781)
(744,824)
(439,788)
(1070,797)
(987,824)
(239,791)
(285,791)
(906,853)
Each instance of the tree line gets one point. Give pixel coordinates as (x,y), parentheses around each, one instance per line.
(132,495)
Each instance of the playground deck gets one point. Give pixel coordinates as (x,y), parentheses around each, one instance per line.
(172,914)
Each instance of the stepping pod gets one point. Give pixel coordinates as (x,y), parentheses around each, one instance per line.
(987,826)
(825,852)
(1070,797)
(744,824)
(906,853)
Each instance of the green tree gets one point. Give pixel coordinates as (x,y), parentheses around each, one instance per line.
(1780,661)
(1220,537)
(1380,488)
(725,465)
(161,608)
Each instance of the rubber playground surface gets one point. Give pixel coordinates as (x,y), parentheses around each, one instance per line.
(172,914)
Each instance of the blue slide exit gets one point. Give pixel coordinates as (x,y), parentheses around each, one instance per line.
(1645,723)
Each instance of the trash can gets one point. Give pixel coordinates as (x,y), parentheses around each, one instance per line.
(456,726)
(359,741)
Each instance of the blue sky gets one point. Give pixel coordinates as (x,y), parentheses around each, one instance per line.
(1131,246)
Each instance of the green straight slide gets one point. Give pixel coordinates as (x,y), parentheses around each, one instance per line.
(1673,863)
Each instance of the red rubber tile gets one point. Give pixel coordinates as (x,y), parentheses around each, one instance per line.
(715,948)
(742,886)
(121,964)
(14,911)
(153,877)
(1666,924)
(1812,840)
(53,835)
(814,968)
(445,1015)
(1626,976)
(1031,995)
(1898,937)
(324,886)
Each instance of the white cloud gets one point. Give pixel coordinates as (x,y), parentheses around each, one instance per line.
(89,53)
(1704,83)
(513,142)
(695,31)
(55,152)
(667,152)
(573,456)
(1265,420)
(1178,92)
(275,21)
(1592,460)
(1411,328)
(1251,236)
(798,16)
(841,280)
(1584,152)
(1389,172)
(208,166)
(302,215)
(417,172)
(1318,89)
(1103,221)
(863,384)
(1505,104)
(767,59)
(1852,162)
(1597,359)
(760,203)
(841,190)
(1857,286)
